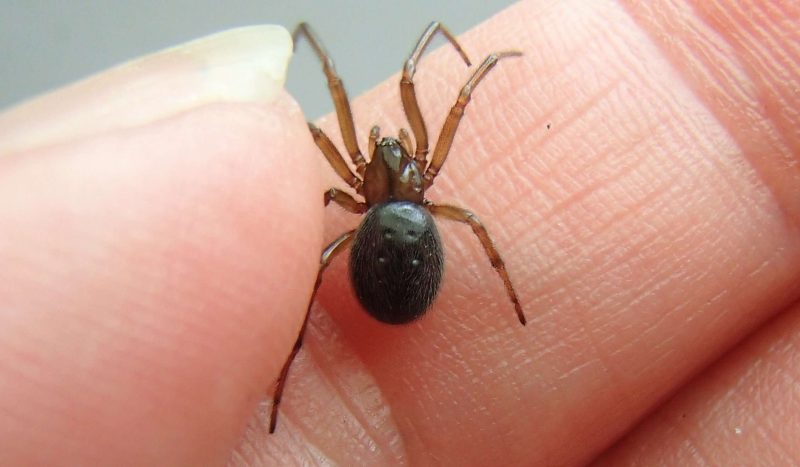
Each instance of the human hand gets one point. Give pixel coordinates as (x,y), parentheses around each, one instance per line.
(157,274)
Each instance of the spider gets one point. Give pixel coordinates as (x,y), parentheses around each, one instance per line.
(396,259)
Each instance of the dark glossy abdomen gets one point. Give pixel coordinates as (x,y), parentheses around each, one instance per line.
(396,262)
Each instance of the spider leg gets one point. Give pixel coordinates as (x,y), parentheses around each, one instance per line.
(374,134)
(405,141)
(456,112)
(407,92)
(346,201)
(335,158)
(455,213)
(340,101)
(336,247)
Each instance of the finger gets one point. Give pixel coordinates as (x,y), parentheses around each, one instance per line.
(743,411)
(154,277)
(642,238)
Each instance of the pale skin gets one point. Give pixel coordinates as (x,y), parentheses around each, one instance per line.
(149,298)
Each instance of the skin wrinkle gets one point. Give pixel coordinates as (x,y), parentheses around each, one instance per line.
(300,433)
(752,388)
(661,319)
(733,397)
(477,150)
(401,453)
(766,63)
(566,123)
(675,310)
(560,207)
(305,438)
(634,343)
(562,347)
(314,454)
(410,432)
(334,382)
(311,354)
(663,209)
(693,137)
(646,288)
(349,402)
(606,365)
(772,439)
(351,425)
(577,273)
(743,200)
(429,384)
(698,138)
(696,447)
(756,128)
(621,261)
(791,381)
(780,456)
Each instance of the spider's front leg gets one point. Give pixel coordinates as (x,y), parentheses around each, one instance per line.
(347,202)
(338,94)
(335,158)
(450,126)
(408,93)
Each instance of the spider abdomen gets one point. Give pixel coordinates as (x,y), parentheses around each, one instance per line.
(396,261)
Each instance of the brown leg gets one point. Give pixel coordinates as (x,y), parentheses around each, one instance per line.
(334,158)
(405,141)
(456,112)
(343,112)
(338,245)
(374,134)
(345,201)
(409,96)
(462,215)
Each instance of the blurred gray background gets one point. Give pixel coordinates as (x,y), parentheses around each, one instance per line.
(45,44)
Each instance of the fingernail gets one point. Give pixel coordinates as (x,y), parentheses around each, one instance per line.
(239,65)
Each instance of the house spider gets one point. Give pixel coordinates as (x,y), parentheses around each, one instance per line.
(396,259)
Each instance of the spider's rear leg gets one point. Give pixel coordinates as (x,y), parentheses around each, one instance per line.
(336,247)
(455,213)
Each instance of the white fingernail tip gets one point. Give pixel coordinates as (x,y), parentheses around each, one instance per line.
(244,64)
